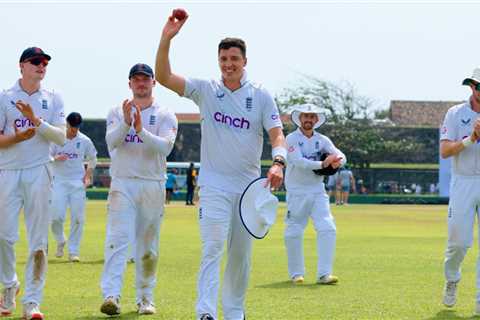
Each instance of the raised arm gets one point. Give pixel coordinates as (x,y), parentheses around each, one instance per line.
(163,72)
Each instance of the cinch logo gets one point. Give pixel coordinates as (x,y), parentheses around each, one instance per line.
(70,155)
(241,123)
(24,122)
(134,138)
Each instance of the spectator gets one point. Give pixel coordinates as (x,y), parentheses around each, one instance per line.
(345,182)
(191,183)
(418,189)
(331,184)
(170,185)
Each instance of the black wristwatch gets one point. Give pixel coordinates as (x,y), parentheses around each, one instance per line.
(280,161)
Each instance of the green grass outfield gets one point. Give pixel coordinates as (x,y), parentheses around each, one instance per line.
(389,261)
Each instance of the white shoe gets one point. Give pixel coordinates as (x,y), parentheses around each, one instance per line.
(146,307)
(450,294)
(477,308)
(111,306)
(328,279)
(7,300)
(298,279)
(60,247)
(31,311)
(74,258)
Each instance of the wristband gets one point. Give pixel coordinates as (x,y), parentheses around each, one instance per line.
(467,142)
(280,161)
(279,151)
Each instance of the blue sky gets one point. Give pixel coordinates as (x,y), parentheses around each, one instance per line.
(388,50)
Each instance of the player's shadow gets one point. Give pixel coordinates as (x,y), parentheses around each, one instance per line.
(92,262)
(288,284)
(127,315)
(449,314)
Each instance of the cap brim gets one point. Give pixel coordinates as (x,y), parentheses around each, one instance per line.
(141,72)
(467,81)
(296,119)
(248,213)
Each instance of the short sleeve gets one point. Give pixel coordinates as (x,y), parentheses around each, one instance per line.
(58,117)
(271,116)
(168,126)
(195,90)
(448,130)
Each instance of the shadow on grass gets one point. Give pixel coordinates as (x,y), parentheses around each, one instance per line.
(449,314)
(57,261)
(289,284)
(127,315)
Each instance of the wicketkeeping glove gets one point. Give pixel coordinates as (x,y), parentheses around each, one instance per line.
(328,171)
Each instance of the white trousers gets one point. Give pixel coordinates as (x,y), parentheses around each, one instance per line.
(462,210)
(68,194)
(219,221)
(31,189)
(140,203)
(300,208)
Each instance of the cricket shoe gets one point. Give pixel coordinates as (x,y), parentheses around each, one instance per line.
(477,308)
(31,311)
(146,307)
(74,258)
(298,279)
(328,279)
(111,306)
(206,316)
(450,294)
(7,300)
(60,249)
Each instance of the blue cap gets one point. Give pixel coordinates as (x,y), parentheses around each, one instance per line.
(141,68)
(33,52)
(74,119)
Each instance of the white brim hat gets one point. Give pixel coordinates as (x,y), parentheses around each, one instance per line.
(297,109)
(258,208)
(475,77)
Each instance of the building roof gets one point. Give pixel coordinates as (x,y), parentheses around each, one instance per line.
(419,113)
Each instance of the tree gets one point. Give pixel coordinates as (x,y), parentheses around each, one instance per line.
(350,120)
(341,100)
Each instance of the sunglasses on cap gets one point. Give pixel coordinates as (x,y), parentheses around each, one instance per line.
(37,61)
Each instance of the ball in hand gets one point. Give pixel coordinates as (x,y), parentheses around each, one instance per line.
(179,14)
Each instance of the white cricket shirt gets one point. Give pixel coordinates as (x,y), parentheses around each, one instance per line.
(303,157)
(138,155)
(457,125)
(232,125)
(78,149)
(48,106)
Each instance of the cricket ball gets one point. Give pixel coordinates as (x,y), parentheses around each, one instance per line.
(179,14)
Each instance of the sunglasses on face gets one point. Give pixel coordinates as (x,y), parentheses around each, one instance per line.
(476,86)
(38,61)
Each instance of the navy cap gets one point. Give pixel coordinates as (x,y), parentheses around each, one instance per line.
(74,119)
(141,68)
(33,52)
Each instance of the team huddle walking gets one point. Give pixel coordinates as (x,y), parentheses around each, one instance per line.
(42,170)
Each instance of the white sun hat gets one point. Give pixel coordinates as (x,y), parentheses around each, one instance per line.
(258,208)
(475,77)
(297,109)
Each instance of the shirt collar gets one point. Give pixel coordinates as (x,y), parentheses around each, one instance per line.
(18,88)
(243,80)
(300,132)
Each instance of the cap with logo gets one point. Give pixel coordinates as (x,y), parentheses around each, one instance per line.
(33,52)
(74,119)
(141,68)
